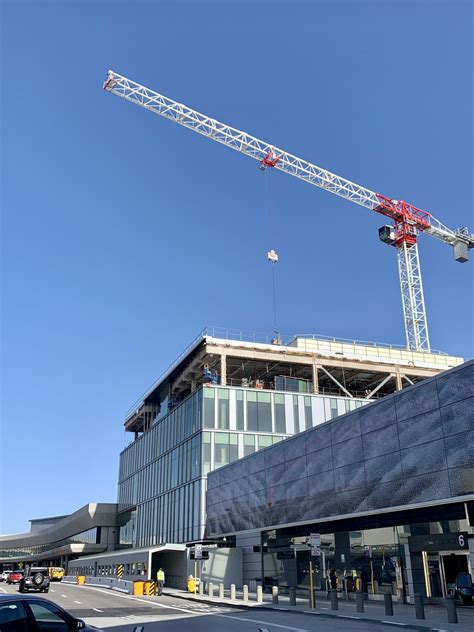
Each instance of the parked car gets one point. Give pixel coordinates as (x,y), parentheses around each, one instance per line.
(15,577)
(4,576)
(35,578)
(29,613)
(464,588)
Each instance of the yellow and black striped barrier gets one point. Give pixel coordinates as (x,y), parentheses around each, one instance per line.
(120,571)
(149,588)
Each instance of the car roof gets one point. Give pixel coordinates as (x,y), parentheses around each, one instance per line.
(17,596)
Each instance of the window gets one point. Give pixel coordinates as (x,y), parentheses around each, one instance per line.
(264,441)
(264,412)
(249,444)
(252,416)
(225,448)
(296,413)
(209,414)
(13,617)
(206,452)
(240,409)
(308,415)
(223,409)
(333,405)
(49,617)
(280,421)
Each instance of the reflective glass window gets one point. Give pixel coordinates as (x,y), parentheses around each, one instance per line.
(308,415)
(240,409)
(252,415)
(223,409)
(209,412)
(333,405)
(264,441)
(206,452)
(296,414)
(249,444)
(280,420)
(264,412)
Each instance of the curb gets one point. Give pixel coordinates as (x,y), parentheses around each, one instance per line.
(323,615)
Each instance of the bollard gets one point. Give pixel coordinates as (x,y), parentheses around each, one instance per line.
(359,601)
(387,598)
(334,604)
(275,595)
(245,590)
(201,588)
(312,598)
(259,594)
(451,608)
(232,592)
(211,589)
(221,591)
(292,593)
(419,606)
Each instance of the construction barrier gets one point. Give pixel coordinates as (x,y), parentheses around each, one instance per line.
(119,571)
(81,580)
(138,588)
(149,588)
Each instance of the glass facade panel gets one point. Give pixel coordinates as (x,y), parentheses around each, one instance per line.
(206,453)
(264,406)
(223,409)
(209,408)
(264,441)
(308,414)
(249,444)
(252,414)
(333,407)
(296,414)
(280,419)
(239,410)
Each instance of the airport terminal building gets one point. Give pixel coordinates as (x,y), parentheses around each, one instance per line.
(249,444)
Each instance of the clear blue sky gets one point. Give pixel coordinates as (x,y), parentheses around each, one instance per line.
(124,234)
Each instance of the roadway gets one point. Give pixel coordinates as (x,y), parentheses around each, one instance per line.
(116,612)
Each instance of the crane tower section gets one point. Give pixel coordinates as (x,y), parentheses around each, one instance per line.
(408,220)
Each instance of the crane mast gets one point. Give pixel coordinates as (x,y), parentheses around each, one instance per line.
(408,220)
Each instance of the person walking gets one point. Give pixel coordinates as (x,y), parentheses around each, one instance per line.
(160,581)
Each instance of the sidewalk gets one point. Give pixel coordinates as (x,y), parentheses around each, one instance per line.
(436,618)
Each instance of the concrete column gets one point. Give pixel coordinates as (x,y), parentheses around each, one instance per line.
(315,380)
(193,386)
(223,369)
(398,380)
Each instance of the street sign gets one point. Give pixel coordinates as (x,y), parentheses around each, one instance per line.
(198,552)
(315,543)
(286,555)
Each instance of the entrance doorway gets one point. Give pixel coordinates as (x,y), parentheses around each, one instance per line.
(452,565)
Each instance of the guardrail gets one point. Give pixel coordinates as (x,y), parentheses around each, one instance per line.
(121,585)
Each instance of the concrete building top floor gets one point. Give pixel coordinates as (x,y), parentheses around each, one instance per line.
(303,363)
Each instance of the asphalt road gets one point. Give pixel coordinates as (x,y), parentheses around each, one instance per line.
(117,612)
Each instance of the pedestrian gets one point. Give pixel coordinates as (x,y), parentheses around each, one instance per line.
(160,581)
(333,579)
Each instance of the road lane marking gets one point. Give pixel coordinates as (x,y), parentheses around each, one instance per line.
(97,610)
(53,590)
(79,602)
(65,596)
(203,614)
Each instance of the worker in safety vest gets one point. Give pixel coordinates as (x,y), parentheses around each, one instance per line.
(160,581)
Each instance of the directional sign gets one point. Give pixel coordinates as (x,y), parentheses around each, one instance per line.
(198,552)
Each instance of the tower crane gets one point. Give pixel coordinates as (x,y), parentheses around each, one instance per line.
(407,221)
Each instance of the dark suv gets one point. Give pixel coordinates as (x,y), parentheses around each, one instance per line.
(36,578)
